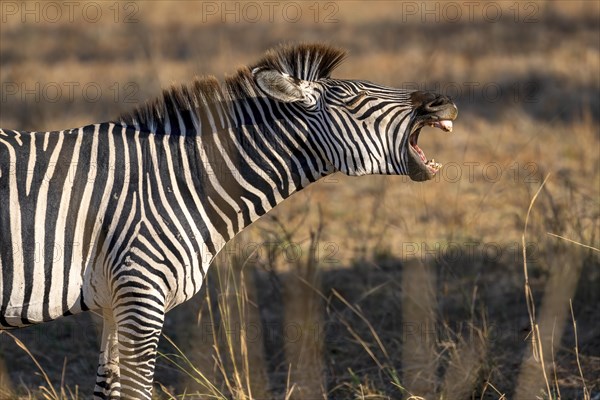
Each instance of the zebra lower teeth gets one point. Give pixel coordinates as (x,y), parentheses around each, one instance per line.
(432,164)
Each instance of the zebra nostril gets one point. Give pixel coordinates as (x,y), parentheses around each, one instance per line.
(438,102)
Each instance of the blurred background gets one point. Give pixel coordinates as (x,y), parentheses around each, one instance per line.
(355,288)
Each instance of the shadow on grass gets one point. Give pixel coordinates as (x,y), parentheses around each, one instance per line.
(386,328)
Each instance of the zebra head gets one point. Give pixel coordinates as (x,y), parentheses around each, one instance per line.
(365,128)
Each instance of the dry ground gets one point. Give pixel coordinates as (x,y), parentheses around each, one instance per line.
(401,288)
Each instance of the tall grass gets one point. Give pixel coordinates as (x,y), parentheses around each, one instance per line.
(461,356)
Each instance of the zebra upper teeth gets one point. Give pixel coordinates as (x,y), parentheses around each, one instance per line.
(445,125)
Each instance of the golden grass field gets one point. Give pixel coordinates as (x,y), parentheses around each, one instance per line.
(356,288)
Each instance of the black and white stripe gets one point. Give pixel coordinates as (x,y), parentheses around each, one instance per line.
(125,217)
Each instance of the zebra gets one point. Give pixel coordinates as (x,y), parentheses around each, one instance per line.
(140,206)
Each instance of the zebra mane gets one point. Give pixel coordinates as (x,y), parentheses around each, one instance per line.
(309,62)
(303,61)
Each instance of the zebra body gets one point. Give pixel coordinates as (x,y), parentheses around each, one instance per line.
(125,217)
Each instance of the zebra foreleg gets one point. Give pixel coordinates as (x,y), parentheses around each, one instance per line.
(139,325)
(108,384)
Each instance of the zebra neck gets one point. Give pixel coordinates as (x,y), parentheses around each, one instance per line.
(248,166)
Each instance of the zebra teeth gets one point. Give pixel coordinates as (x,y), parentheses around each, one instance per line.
(445,125)
(433,165)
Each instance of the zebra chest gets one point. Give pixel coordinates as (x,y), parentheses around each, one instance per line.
(153,254)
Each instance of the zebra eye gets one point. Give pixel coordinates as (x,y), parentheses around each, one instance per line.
(356,99)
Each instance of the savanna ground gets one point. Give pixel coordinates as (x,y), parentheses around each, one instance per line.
(372,287)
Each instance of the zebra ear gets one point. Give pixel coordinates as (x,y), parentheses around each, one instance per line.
(280,86)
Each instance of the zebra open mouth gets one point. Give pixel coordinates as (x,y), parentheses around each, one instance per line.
(434,110)
(428,168)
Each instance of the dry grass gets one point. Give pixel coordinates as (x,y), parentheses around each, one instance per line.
(403,290)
